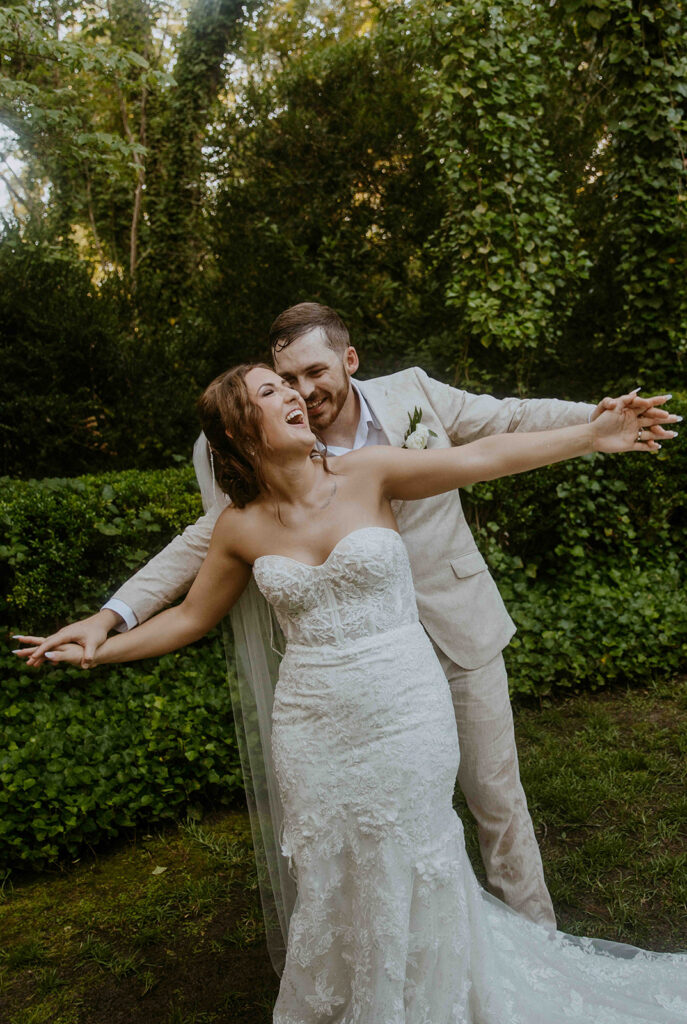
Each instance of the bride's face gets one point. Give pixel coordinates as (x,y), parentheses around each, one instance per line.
(282,410)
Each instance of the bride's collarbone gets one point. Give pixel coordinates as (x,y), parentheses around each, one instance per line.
(308,531)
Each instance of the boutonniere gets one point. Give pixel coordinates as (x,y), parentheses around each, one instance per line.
(417,434)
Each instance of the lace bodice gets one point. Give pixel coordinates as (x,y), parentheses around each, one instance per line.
(364,587)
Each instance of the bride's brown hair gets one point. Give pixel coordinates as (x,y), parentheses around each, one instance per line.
(232,423)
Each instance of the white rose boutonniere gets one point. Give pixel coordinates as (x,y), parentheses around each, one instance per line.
(417,434)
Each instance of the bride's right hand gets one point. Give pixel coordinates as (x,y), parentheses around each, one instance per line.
(67,654)
(88,634)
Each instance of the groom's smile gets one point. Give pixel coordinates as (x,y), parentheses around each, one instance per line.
(318,373)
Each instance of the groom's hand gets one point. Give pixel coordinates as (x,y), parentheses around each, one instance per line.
(88,633)
(649,408)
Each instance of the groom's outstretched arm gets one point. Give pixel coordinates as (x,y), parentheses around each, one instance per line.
(162,580)
(170,573)
(467,417)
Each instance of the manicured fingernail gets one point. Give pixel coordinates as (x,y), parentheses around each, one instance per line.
(48,654)
(667,396)
(18,636)
(20,650)
(678,419)
(635,390)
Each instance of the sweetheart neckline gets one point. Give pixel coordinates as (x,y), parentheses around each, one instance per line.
(321,565)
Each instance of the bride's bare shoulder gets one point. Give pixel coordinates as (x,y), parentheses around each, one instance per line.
(236,528)
(360,459)
(364,461)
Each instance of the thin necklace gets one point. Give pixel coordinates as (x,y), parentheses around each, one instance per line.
(330,499)
(318,508)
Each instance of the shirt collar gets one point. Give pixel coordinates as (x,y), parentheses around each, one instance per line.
(367,421)
(367,417)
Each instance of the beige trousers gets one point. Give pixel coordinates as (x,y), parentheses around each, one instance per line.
(489,777)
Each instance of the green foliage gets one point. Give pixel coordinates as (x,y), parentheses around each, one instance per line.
(58,360)
(324,194)
(66,544)
(588,558)
(632,200)
(79,390)
(507,247)
(494,191)
(86,756)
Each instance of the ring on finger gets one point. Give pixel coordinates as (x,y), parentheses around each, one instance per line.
(639,435)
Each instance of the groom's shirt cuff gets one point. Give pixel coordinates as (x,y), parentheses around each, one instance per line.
(124,611)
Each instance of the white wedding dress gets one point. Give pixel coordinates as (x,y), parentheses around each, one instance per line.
(390,925)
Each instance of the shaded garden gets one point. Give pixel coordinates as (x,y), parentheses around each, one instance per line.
(493,191)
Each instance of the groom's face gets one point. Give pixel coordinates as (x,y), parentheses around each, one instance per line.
(319,374)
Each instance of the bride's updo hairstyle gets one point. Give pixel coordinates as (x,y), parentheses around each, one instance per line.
(232,423)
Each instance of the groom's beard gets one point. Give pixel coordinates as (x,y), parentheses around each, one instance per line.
(328,405)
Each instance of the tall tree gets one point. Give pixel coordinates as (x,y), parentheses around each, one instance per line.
(89,91)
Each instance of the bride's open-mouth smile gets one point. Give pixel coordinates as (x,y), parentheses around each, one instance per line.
(295,418)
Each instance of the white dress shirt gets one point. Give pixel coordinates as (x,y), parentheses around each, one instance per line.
(368,432)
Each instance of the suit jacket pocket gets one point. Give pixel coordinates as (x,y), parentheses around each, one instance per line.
(468,564)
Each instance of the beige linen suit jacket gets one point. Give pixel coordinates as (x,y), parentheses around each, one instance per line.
(458,601)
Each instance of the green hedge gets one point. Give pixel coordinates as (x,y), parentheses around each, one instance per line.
(65,545)
(588,556)
(85,757)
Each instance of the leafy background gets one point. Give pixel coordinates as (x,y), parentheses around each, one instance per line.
(495,191)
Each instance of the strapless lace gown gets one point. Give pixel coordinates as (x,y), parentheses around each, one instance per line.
(390,925)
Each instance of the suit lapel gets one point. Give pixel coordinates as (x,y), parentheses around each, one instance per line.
(386,408)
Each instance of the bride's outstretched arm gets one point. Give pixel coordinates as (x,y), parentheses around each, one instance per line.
(420,474)
(220,582)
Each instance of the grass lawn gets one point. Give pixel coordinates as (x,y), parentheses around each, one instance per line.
(166,928)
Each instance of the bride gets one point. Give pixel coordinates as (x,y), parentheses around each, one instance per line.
(389,925)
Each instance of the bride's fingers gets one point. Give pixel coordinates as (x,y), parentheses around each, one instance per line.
(24,652)
(657,413)
(649,406)
(645,446)
(655,401)
(23,638)
(69,653)
(658,431)
(649,423)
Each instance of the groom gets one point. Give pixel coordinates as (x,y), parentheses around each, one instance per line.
(459,604)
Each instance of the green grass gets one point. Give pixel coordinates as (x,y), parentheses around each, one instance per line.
(113,939)
(606,781)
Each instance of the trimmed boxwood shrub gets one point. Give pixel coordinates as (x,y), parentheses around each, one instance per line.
(587,554)
(87,756)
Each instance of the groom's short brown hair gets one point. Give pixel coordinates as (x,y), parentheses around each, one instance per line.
(297,320)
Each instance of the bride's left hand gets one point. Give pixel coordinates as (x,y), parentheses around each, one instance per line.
(650,407)
(631,424)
